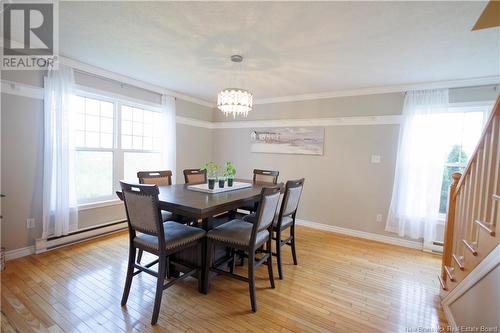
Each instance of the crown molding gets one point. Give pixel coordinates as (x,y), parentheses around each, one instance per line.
(482,81)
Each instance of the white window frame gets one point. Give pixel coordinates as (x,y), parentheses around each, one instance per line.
(118,153)
(482,106)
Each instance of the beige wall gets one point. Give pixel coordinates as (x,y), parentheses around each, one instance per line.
(480,305)
(342,187)
(22,150)
(22,169)
(194,148)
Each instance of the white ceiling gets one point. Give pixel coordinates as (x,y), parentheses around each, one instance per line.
(290,48)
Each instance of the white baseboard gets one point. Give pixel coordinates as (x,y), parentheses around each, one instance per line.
(43,245)
(362,234)
(18,253)
(489,263)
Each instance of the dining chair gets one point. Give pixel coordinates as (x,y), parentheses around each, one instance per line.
(148,232)
(158,178)
(248,237)
(285,219)
(195,176)
(155,177)
(265,176)
(261,177)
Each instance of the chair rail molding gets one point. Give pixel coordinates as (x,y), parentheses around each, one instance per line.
(21,89)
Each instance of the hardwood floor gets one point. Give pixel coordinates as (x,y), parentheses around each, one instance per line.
(341,284)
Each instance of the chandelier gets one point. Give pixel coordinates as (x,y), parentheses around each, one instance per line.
(235,101)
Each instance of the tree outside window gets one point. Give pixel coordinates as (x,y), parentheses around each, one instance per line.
(456,162)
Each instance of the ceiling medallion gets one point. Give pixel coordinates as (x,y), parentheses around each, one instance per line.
(235,101)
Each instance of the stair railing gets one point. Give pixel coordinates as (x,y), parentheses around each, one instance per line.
(473,205)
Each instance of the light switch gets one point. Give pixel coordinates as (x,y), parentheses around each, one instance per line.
(375,159)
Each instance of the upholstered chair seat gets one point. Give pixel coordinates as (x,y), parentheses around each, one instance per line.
(237,232)
(176,235)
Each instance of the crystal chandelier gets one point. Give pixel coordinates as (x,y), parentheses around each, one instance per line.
(235,101)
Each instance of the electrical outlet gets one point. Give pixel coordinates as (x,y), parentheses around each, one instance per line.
(30,223)
(379,218)
(375,159)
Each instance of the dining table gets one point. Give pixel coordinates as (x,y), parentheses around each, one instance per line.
(209,208)
(180,200)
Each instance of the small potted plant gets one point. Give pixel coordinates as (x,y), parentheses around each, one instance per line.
(230,173)
(211,168)
(222,180)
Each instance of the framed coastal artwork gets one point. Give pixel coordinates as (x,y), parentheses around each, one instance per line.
(288,140)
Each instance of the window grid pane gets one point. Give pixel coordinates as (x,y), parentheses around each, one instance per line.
(140,129)
(94,123)
(94,172)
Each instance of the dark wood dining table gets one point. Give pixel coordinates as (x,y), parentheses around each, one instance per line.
(182,201)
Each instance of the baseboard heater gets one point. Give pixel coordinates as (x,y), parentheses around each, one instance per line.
(436,247)
(44,245)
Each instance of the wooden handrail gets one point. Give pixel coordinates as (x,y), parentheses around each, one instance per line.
(487,127)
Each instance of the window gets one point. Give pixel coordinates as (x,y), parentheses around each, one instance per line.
(462,128)
(113,141)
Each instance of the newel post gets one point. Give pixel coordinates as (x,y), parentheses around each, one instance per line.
(450,225)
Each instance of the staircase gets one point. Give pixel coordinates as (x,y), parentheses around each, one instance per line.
(473,209)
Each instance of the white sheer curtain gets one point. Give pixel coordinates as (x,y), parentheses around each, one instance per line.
(414,208)
(169,140)
(60,213)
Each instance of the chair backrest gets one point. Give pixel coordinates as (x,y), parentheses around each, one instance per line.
(141,205)
(195,176)
(265,176)
(291,198)
(268,205)
(158,178)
